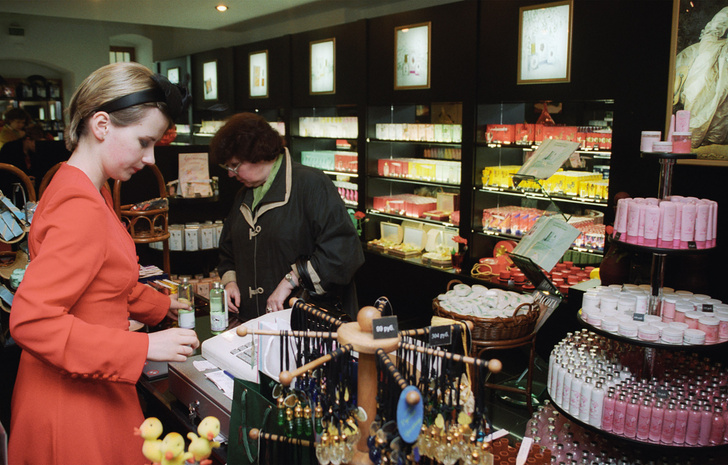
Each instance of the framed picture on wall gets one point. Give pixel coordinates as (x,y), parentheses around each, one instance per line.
(544,43)
(258,66)
(699,77)
(412,56)
(173,75)
(209,80)
(323,67)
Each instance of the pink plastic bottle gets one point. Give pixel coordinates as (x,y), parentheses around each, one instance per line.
(630,418)
(717,429)
(608,411)
(643,420)
(681,425)
(706,421)
(692,435)
(620,409)
(657,413)
(668,425)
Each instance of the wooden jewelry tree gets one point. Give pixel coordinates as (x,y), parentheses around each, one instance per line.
(358,336)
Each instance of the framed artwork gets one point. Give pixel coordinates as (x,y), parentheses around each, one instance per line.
(323,67)
(544,43)
(173,75)
(209,80)
(698,77)
(258,66)
(412,56)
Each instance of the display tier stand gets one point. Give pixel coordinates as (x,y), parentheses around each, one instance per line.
(667,163)
(358,336)
(659,255)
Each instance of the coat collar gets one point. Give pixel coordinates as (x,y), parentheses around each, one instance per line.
(277,195)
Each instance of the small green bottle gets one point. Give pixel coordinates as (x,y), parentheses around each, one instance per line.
(186,318)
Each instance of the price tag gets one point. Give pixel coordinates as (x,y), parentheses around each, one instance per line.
(692,245)
(440,335)
(385,327)
(662,393)
(638,317)
(617,235)
(707,308)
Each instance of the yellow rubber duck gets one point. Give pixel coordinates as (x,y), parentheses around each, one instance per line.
(150,430)
(173,450)
(201,446)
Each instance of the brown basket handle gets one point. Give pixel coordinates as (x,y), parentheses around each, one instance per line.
(452,283)
(529,305)
(160,183)
(23,177)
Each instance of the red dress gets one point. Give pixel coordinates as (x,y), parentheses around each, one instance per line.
(75,399)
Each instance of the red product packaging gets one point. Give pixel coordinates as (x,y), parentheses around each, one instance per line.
(525,134)
(538,133)
(500,133)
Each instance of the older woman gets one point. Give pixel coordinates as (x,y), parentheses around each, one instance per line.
(288,229)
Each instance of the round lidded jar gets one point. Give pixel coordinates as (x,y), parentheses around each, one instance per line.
(649,333)
(662,146)
(710,326)
(672,335)
(693,337)
(628,329)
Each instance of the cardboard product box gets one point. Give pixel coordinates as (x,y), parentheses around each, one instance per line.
(438,215)
(500,133)
(416,206)
(345,161)
(538,133)
(525,134)
(448,201)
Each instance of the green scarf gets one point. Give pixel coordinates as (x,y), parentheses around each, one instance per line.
(260,191)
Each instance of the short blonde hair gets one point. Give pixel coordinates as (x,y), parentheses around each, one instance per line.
(104,85)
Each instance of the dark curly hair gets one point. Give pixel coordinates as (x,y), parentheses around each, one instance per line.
(247,137)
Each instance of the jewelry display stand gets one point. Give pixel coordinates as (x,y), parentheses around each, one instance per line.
(359,337)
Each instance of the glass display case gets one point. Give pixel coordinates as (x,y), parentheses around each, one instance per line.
(413,180)
(327,138)
(507,135)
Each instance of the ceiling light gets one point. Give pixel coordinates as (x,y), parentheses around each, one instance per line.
(221,8)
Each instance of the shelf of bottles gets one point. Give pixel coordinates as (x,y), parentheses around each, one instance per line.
(507,135)
(327,139)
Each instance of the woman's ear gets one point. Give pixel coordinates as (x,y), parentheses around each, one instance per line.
(99,125)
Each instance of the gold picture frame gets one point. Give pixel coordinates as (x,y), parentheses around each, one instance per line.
(412,56)
(696,33)
(544,42)
(322,66)
(258,72)
(209,80)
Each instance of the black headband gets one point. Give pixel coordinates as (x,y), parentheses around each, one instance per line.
(175,96)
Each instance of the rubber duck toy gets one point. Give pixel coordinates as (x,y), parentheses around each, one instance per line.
(173,449)
(201,446)
(150,430)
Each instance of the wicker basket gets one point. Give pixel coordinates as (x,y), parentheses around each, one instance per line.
(495,329)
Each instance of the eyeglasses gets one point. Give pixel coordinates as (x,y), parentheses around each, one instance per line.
(233,169)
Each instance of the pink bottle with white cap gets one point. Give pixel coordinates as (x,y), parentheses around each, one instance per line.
(642,209)
(652,225)
(702,217)
(687,228)
(667,224)
(678,223)
(633,222)
(620,220)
